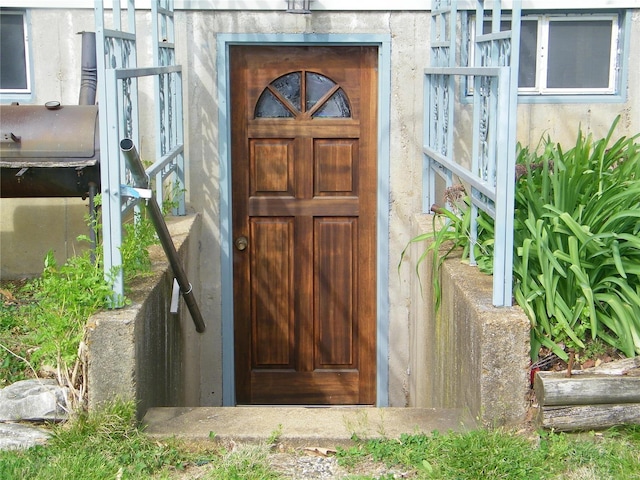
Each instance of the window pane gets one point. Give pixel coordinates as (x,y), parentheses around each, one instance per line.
(528,49)
(317,86)
(270,107)
(337,107)
(528,53)
(289,86)
(579,54)
(13,67)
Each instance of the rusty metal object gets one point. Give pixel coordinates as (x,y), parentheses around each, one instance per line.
(49,151)
(52,150)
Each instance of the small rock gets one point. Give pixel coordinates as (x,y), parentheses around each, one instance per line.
(14,436)
(33,400)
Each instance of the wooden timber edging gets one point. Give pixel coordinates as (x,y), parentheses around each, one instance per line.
(591,399)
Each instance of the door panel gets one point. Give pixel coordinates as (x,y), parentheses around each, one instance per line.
(304,195)
(272,291)
(334,297)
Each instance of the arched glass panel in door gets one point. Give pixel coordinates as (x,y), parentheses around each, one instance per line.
(283,97)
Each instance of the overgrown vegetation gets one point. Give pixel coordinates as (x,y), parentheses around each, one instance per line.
(104,445)
(42,321)
(494,454)
(576,237)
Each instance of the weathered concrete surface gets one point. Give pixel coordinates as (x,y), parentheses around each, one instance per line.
(300,426)
(34,400)
(143,352)
(470,354)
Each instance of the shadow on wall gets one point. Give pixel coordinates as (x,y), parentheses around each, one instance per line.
(30,227)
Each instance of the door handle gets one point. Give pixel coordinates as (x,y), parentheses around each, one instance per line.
(241,243)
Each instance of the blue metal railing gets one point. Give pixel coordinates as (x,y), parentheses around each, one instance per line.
(118,76)
(490,177)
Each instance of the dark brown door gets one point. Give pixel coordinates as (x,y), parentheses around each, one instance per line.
(303,122)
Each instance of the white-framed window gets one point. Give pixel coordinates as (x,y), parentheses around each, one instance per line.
(566,54)
(15,65)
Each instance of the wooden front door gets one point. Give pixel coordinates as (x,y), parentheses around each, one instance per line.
(303,123)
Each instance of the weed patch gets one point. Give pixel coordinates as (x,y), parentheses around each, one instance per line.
(103,445)
(42,321)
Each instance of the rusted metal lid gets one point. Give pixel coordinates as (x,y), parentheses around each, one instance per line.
(39,136)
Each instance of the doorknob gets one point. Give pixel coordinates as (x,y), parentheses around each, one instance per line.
(242,243)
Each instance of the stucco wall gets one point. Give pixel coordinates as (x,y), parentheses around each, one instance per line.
(57,77)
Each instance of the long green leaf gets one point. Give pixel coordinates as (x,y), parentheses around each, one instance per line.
(563,313)
(615,250)
(623,319)
(585,286)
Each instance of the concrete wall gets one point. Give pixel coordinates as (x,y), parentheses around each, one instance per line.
(143,352)
(468,354)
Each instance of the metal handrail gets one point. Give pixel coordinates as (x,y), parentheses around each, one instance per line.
(141,180)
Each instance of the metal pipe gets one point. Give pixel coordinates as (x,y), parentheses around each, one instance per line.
(141,180)
(89,70)
(93,189)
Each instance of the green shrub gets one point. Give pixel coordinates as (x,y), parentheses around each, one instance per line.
(576,264)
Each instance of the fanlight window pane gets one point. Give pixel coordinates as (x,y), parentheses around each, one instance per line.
(336,107)
(270,107)
(317,87)
(579,54)
(289,86)
(283,97)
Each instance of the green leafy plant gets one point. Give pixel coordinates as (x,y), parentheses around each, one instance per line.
(42,331)
(577,245)
(138,236)
(61,300)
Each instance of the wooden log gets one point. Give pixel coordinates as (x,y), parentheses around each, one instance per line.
(588,417)
(555,388)
(626,366)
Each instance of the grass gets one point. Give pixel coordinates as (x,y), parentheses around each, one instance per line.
(109,445)
(501,454)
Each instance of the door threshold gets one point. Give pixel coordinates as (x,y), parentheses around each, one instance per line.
(304,406)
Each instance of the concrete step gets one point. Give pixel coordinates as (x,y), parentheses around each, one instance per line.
(299,426)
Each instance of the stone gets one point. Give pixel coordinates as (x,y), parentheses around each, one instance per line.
(34,400)
(15,436)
